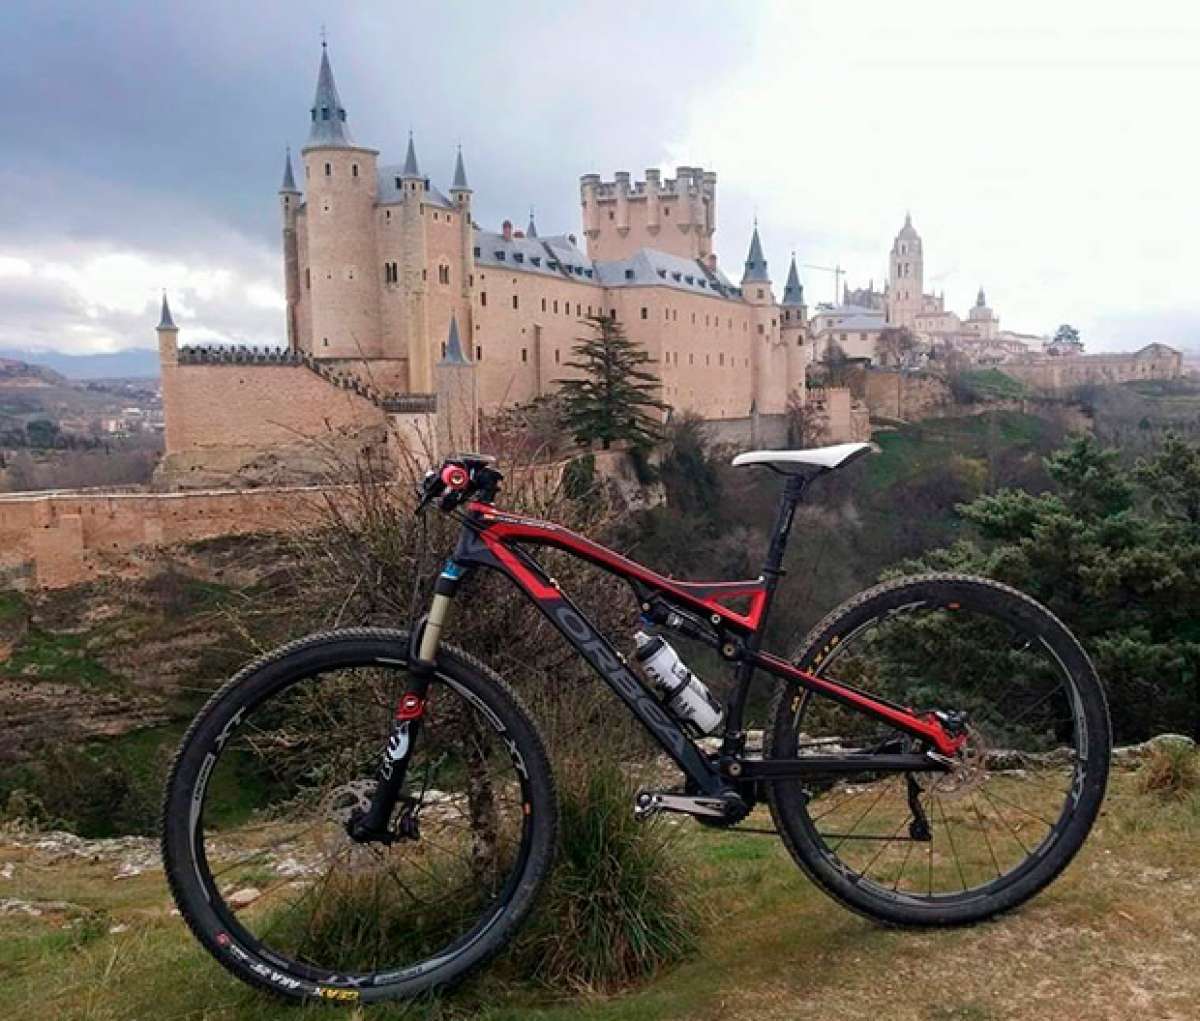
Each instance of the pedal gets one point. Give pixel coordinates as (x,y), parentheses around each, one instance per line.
(650,803)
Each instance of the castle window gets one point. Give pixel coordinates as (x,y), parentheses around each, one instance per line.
(307,279)
(328,169)
(645,312)
(483,298)
(478,352)
(524,354)
(499,255)
(666,313)
(555,306)
(579,310)
(324,113)
(353,169)
(517,256)
(556,356)
(476,251)
(325,342)
(690,280)
(536,260)
(387,215)
(443,349)
(760,292)
(399,185)
(610,214)
(587,273)
(707,359)
(612,314)
(721,358)
(662,273)
(691,359)
(516,303)
(543,304)
(760,329)
(424,274)
(629,274)
(666,211)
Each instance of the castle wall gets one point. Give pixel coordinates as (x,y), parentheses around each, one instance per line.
(1155,361)
(237,404)
(908,396)
(52,540)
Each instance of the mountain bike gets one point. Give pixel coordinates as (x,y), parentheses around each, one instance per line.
(368,814)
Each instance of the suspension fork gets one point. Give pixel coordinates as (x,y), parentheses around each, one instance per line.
(375,822)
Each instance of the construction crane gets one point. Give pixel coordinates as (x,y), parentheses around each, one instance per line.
(837,272)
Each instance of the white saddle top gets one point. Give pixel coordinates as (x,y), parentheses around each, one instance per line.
(818,457)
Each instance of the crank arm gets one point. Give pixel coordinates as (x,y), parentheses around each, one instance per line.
(652,802)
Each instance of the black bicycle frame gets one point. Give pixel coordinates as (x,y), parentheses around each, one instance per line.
(486,540)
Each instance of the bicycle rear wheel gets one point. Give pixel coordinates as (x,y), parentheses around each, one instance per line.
(255,842)
(957,847)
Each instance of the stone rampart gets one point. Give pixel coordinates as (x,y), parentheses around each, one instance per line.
(1066,372)
(54,539)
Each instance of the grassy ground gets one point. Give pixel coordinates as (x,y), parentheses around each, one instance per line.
(1116,937)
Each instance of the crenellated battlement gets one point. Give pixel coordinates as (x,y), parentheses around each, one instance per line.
(675,215)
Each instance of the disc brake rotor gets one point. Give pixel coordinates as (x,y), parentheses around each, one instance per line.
(970,770)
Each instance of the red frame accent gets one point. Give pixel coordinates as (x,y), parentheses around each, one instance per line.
(498,528)
(501,527)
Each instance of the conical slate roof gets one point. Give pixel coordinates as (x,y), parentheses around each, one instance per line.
(410,160)
(165,322)
(756,263)
(454,352)
(908,232)
(289,179)
(460,174)
(793,290)
(531,230)
(328,114)
(980,300)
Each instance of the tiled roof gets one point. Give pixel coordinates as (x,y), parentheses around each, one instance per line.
(650,267)
(390,190)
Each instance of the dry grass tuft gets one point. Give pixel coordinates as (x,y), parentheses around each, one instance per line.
(1171,771)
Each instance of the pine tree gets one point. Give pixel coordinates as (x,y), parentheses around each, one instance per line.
(617,398)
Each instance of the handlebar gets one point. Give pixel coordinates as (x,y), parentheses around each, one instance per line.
(458,479)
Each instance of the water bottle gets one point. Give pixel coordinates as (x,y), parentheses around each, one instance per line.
(685,694)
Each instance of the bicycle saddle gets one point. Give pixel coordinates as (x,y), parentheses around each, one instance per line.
(826,458)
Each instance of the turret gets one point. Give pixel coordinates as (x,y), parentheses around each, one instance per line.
(289,208)
(457,397)
(343,281)
(794,331)
(756,281)
(460,195)
(168,362)
(768,358)
(531,230)
(168,335)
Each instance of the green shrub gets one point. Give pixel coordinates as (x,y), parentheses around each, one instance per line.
(621,903)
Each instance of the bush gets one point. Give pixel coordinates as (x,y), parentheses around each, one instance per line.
(1171,770)
(621,904)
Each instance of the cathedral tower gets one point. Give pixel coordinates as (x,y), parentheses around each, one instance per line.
(341,281)
(906,277)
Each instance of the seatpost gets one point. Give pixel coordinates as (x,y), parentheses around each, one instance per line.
(793,491)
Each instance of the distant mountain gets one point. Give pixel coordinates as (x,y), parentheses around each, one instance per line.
(15,372)
(122,364)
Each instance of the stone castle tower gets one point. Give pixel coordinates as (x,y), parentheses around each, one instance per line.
(906,277)
(678,216)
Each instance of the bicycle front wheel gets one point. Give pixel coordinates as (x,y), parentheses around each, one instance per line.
(956,847)
(255,840)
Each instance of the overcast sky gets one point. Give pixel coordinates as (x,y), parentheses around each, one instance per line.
(1047,151)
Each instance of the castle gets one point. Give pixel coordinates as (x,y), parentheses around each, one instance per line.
(382,268)
(408,324)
